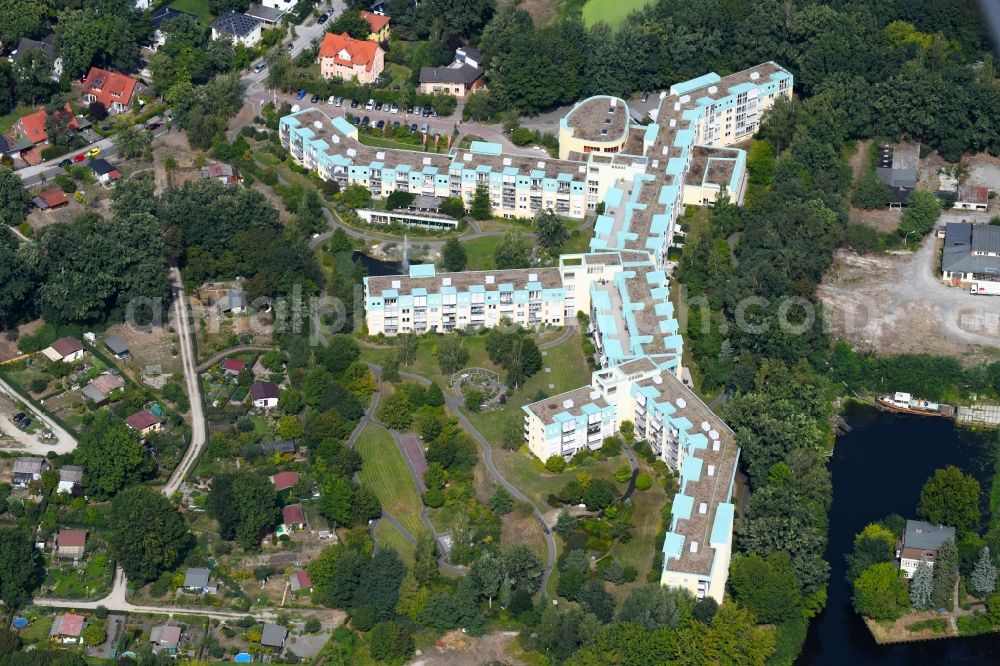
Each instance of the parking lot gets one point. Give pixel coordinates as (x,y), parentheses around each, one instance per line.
(416,119)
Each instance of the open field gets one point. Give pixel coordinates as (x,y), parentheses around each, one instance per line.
(639,552)
(386,535)
(197,7)
(479,253)
(385,472)
(611,12)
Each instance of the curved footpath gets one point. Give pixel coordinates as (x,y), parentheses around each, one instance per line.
(232,350)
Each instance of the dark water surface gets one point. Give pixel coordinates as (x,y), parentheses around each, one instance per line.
(376,267)
(878,468)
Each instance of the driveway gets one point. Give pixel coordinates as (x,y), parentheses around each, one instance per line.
(63,442)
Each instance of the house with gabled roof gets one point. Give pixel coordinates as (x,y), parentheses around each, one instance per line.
(31,127)
(284,480)
(112,89)
(343,57)
(264,395)
(379,25)
(144,423)
(237,28)
(71,543)
(67,628)
(66,350)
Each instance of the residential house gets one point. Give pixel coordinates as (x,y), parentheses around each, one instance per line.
(105,171)
(972,198)
(46,45)
(264,395)
(971,253)
(99,388)
(269,16)
(921,542)
(70,478)
(71,543)
(26,470)
(278,447)
(142,4)
(341,56)
(160,18)
(293,518)
(50,199)
(93,394)
(897,164)
(67,628)
(233,366)
(238,28)
(379,26)
(460,78)
(166,638)
(112,89)
(144,423)
(283,5)
(226,174)
(117,347)
(32,126)
(198,580)
(300,580)
(273,636)
(235,302)
(66,350)
(284,480)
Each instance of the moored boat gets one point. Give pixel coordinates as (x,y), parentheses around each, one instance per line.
(907,404)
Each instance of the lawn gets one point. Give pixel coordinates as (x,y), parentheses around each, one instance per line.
(197,7)
(611,12)
(479,253)
(7,121)
(90,582)
(385,472)
(37,631)
(382,142)
(388,536)
(647,518)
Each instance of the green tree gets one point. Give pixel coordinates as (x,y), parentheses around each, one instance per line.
(550,231)
(20,564)
(880,593)
(600,494)
(768,587)
(408,345)
(390,642)
(653,606)
(356,196)
(945,575)
(555,464)
(96,633)
(452,354)
(565,524)
(398,198)
(425,567)
(453,258)
(14,199)
(872,545)
(921,213)
(512,252)
(33,72)
(396,411)
(435,397)
(501,503)
(983,580)
(111,455)
(482,207)
(148,536)
(21,18)
(289,428)
(951,498)
(246,506)
(131,141)
(921,586)
(453,207)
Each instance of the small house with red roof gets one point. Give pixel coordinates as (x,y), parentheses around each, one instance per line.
(71,543)
(233,366)
(144,423)
(112,89)
(379,25)
(32,126)
(106,172)
(300,581)
(50,199)
(341,56)
(66,350)
(293,518)
(972,198)
(284,480)
(67,628)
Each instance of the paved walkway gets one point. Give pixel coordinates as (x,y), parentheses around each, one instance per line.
(229,352)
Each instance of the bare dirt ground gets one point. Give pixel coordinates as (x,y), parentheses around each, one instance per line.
(516,528)
(543,11)
(896,304)
(157,346)
(458,649)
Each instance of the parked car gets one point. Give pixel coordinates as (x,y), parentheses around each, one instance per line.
(94,152)
(260,67)
(409,108)
(291,47)
(365,121)
(19,416)
(300,94)
(24,424)
(65,163)
(413,128)
(393,109)
(434,113)
(378,106)
(370,106)
(339,101)
(644,97)
(423,128)
(354,103)
(330,99)
(314,99)
(395,124)
(380,124)
(426,111)
(79,158)
(323,18)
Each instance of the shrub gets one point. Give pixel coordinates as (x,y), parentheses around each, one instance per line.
(434,497)
(643,482)
(623,473)
(555,464)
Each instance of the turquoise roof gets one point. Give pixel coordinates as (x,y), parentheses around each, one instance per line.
(722,527)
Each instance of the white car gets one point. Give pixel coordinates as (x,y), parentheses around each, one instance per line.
(331,99)
(393,109)
(370,106)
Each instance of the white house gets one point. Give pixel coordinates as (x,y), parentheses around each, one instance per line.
(66,350)
(238,28)
(921,543)
(283,5)
(264,395)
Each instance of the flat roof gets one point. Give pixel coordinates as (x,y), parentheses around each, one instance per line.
(599,118)
(519,278)
(570,403)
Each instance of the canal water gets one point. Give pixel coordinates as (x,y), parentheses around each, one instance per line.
(878,468)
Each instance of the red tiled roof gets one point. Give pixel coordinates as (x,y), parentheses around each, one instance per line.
(71,538)
(376,21)
(109,87)
(72,625)
(54,197)
(974,195)
(284,480)
(293,515)
(303,577)
(66,346)
(357,51)
(234,365)
(141,420)
(33,124)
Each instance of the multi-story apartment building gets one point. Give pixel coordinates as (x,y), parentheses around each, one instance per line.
(343,57)
(644,175)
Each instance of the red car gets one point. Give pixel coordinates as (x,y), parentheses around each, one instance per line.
(79,158)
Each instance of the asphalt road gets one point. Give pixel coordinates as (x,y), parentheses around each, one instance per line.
(33,175)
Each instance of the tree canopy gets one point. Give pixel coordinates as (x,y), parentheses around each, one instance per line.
(148,536)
